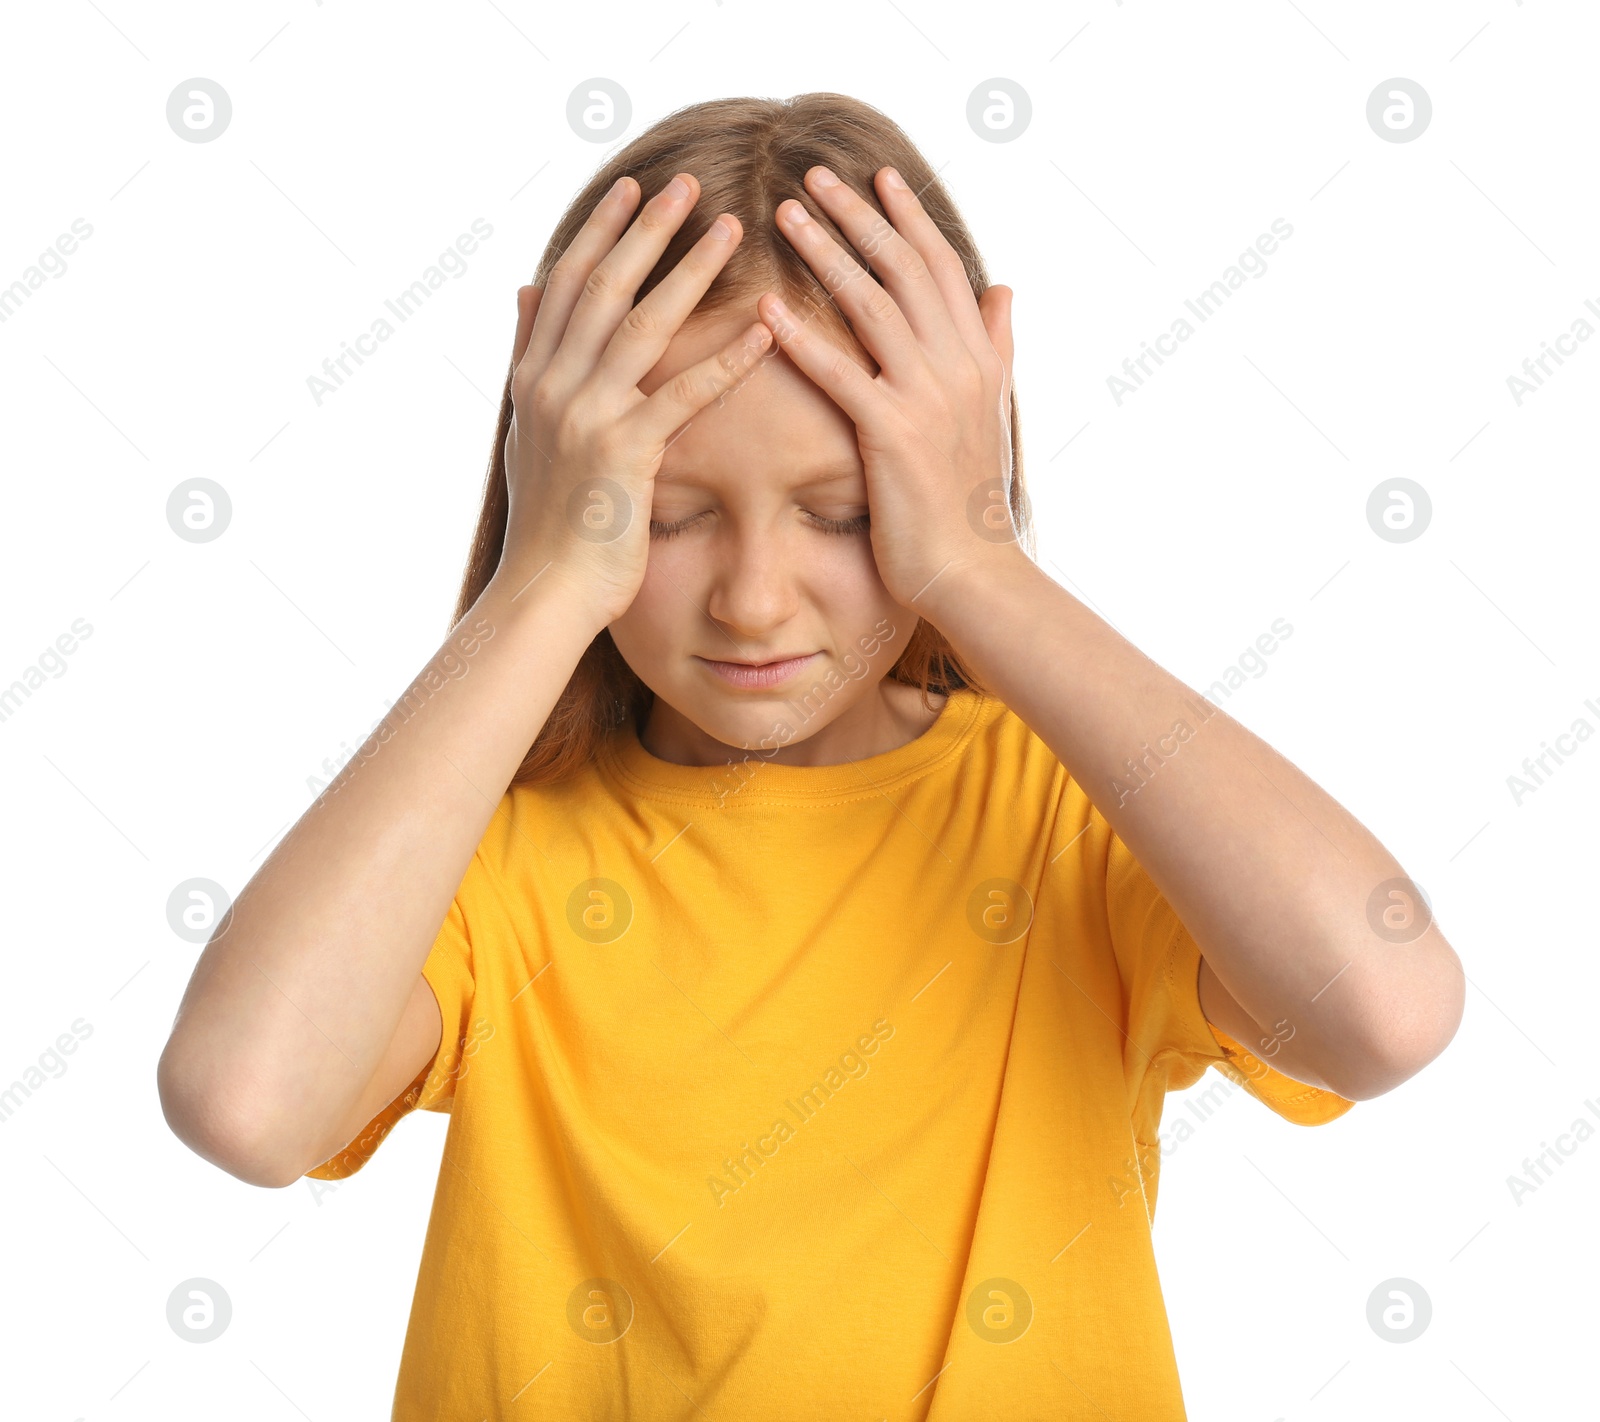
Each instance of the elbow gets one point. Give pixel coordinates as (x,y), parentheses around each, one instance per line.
(213,1125)
(1410,1036)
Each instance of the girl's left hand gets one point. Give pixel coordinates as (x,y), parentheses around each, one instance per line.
(934,425)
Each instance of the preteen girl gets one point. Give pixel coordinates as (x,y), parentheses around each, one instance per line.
(799,901)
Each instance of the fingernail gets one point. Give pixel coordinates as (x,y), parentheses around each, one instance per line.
(720,231)
(677,188)
(824,179)
(894,179)
(796,214)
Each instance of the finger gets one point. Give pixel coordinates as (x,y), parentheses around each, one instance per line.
(898,264)
(831,369)
(949,272)
(640,341)
(606,293)
(595,238)
(528,298)
(994,306)
(879,324)
(680,399)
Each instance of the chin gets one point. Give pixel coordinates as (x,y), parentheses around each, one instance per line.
(746,722)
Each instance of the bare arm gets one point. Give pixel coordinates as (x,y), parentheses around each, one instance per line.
(308,1013)
(1317,950)
(1301,914)
(281,1050)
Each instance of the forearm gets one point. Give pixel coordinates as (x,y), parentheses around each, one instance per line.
(291,1006)
(1273,877)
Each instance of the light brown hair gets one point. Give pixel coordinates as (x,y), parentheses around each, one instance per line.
(748,156)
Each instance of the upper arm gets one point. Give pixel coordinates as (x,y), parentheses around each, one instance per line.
(1276,1050)
(415,1044)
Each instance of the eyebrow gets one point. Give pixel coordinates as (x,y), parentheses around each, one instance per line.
(831,472)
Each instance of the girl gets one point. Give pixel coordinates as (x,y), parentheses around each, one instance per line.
(799,902)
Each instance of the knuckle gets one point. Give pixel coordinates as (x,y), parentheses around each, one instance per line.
(571,432)
(876,303)
(541,396)
(684,388)
(599,283)
(876,237)
(568,271)
(651,221)
(841,369)
(641,321)
(906,262)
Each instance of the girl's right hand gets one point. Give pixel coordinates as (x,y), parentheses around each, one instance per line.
(585,442)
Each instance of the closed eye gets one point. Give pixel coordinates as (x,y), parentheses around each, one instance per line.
(670,530)
(858,524)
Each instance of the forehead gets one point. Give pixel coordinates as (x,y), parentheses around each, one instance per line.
(776,421)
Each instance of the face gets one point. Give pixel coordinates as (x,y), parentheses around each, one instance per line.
(760,551)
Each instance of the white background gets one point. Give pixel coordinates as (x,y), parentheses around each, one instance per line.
(1229,491)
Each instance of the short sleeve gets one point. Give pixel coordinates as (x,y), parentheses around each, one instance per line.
(449,973)
(1169,1042)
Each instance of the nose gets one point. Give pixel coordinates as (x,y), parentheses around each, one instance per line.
(753,585)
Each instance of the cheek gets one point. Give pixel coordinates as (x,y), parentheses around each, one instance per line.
(846,574)
(653,622)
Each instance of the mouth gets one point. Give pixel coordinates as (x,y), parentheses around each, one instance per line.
(759,675)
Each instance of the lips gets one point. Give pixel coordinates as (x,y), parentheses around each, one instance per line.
(761,675)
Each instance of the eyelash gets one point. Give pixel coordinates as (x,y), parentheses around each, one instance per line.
(841,526)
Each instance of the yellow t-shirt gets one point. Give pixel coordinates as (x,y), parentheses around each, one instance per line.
(792,1092)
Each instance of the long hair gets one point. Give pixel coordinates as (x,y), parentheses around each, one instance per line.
(748,155)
